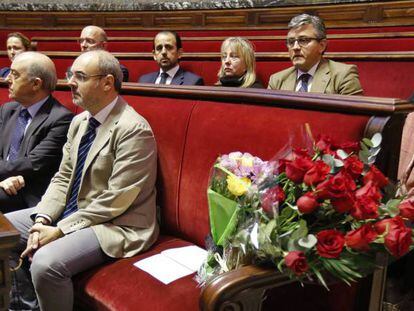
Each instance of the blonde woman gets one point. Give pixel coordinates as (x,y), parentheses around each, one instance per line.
(238,64)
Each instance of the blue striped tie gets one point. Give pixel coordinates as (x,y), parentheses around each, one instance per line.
(84,146)
(18,133)
(305,80)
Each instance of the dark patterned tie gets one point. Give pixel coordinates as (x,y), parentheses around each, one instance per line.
(84,146)
(164,77)
(305,79)
(18,133)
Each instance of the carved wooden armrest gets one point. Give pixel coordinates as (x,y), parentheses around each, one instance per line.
(241,289)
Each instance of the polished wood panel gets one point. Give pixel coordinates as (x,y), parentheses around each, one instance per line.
(369,14)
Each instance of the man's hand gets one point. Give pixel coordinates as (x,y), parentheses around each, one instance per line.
(12,184)
(40,235)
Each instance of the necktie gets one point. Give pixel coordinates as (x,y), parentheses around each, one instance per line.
(305,79)
(164,77)
(18,133)
(84,146)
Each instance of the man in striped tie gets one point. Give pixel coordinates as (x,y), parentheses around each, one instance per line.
(103,193)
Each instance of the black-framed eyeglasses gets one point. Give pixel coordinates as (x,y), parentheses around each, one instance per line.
(302,41)
(80,76)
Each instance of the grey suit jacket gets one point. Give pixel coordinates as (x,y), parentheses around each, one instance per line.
(41,148)
(182,77)
(330,78)
(117,189)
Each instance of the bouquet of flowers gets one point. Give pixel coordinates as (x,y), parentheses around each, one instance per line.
(325,210)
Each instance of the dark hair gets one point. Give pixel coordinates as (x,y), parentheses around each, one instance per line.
(176,36)
(25,40)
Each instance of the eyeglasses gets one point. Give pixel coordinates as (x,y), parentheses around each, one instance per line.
(302,41)
(87,40)
(80,76)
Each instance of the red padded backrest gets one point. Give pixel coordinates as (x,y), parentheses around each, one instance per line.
(219,128)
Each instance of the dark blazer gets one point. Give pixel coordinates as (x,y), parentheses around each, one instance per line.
(41,149)
(182,77)
(4,72)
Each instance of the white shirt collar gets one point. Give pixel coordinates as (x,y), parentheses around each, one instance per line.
(33,109)
(103,114)
(171,73)
(310,71)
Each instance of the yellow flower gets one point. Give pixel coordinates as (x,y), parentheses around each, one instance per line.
(238,186)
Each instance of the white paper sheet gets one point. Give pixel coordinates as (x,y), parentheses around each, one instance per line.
(173,263)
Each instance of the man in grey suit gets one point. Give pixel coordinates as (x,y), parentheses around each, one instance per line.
(101,202)
(306,42)
(167,51)
(32,132)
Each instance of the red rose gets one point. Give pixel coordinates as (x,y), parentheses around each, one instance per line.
(336,187)
(375,175)
(296,169)
(360,238)
(307,203)
(324,144)
(344,204)
(272,197)
(394,223)
(317,173)
(398,241)
(407,209)
(369,190)
(330,243)
(364,208)
(296,261)
(353,166)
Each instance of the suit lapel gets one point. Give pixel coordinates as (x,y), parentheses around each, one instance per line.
(178,77)
(9,128)
(321,77)
(39,118)
(104,132)
(290,82)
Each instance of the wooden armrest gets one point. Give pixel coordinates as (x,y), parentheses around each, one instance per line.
(241,289)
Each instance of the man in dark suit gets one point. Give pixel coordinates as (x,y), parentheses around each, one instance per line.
(167,51)
(32,132)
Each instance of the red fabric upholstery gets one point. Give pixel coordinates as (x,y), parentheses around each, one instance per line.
(119,286)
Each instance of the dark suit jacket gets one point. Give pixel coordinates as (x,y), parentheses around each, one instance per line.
(41,149)
(182,77)
(4,72)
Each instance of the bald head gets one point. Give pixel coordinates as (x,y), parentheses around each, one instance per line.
(32,77)
(93,38)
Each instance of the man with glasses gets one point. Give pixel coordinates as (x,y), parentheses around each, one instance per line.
(306,42)
(101,202)
(167,51)
(33,130)
(95,38)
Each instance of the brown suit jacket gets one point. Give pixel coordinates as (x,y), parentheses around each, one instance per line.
(117,190)
(330,78)
(406,165)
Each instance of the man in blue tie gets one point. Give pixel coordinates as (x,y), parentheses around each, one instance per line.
(32,132)
(311,72)
(101,202)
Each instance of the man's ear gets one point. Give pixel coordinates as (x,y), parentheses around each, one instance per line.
(109,83)
(37,84)
(104,45)
(153,55)
(323,45)
(180,52)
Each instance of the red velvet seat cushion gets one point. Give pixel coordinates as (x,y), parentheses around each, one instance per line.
(120,286)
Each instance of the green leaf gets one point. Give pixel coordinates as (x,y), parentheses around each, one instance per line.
(308,241)
(363,156)
(300,232)
(342,154)
(368,142)
(376,140)
(320,277)
(392,207)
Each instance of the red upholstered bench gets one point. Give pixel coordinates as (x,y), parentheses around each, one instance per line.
(192,126)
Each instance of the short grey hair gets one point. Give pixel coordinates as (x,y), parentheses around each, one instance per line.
(306,19)
(45,70)
(109,65)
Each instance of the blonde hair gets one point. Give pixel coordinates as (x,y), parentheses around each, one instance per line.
(245,50)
